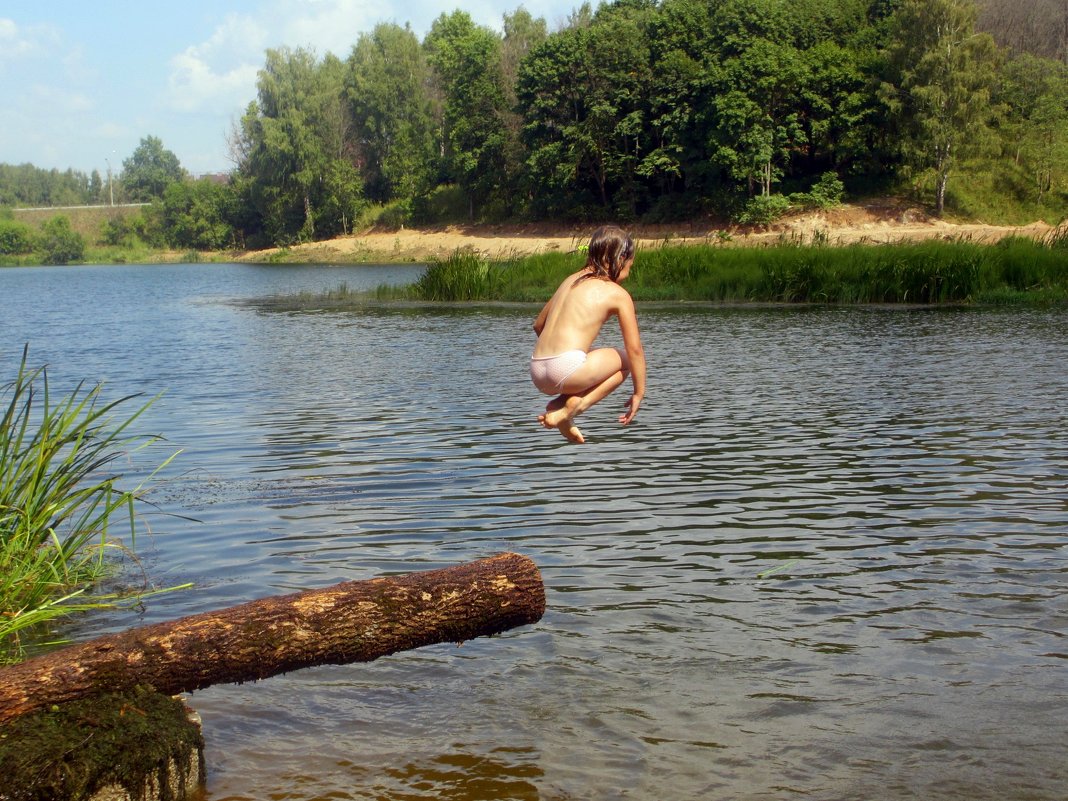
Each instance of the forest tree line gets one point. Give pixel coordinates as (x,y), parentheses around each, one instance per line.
(636,111)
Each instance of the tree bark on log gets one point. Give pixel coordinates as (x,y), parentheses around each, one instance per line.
(356,621)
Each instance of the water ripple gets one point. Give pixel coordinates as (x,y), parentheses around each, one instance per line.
(828,559)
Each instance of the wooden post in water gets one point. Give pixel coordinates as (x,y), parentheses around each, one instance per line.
(356,621)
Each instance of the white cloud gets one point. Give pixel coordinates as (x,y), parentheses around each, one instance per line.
(330,25)
(12,44)
(17,42)
(220,72)
(335,25)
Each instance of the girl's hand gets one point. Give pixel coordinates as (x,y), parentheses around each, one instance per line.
(632,409)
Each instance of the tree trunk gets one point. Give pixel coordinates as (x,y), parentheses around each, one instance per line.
(940,193)
(356,621)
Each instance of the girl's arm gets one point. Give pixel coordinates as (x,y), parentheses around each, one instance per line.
(632,341)
(539,323)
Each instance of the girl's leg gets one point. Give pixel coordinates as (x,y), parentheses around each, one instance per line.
(602,372)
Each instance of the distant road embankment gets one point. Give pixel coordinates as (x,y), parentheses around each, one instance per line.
(97,207)
(86,220)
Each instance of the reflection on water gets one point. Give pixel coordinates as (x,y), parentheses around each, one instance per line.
(828,559)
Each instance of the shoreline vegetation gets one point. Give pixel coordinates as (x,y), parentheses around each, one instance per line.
(874,220)
(60,506)
(1013,270)
(869,222)
(881,250)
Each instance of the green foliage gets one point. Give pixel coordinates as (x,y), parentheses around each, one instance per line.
(467,64)
(763,210)
(29,186)
(826,193)
(389,216)
(298,162)
(195,214)
(941,79)
(1002,191)
(15,238)
(58,243)
(633,110)
(387,84)
(465,275)
(755,120)
(57,500)
(446,203)
(585,92)
(123,230)
(150,170)
(1036,129)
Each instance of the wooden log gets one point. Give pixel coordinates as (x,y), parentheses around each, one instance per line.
(356,621)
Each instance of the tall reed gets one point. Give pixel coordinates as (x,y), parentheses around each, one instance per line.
(465,275)
(58,497)
(932,272)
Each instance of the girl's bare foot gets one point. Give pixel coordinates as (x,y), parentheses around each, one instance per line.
(561,417)
(571,432)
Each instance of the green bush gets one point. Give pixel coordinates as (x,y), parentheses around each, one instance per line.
(122,231)
(58,243)
(827,192)
(16,238)
(443,204)
(391,216)
(763,209)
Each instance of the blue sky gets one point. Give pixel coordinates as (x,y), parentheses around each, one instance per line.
(82,83)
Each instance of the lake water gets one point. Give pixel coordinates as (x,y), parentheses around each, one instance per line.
(828,560)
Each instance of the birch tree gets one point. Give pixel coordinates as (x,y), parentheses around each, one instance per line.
(942,75)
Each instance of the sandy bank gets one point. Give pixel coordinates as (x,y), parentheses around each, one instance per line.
(873,223)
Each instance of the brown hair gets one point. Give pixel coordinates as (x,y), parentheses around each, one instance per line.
(610,249)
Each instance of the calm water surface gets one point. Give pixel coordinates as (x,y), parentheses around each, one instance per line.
(827,561)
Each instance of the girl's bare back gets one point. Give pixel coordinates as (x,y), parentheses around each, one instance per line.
(575,314)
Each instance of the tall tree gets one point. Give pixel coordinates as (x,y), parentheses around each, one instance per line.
(96,187)
(942,75)
(388,88)
(836,110)
(754,117)
(1036,91)
(585,92)
(675,156)
(295,146)
(467,63)
(150,170)
(522,33)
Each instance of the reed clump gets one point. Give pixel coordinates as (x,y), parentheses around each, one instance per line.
(465,275)
(1018,270)
(58,500)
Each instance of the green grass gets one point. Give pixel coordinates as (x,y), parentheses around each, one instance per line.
(59,500)
(1015,270)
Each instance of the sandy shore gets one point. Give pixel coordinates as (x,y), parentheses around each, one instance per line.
(874,223)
